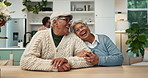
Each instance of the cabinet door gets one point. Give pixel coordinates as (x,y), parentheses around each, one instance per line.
(17,54)
(105,26)
(5,54)
(104,8)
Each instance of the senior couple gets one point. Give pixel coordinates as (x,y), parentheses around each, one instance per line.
(58,49)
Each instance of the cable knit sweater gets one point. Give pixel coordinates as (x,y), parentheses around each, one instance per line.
(41,51)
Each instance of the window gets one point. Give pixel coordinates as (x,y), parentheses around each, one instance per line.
(138,13)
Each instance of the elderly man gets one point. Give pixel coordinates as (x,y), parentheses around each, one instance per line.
(105,51)
(54,49)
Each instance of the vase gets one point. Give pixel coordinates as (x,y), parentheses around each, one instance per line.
(2,22)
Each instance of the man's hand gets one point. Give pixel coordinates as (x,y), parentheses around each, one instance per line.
(59,62)
(91,58)
(64,67)
(81,53)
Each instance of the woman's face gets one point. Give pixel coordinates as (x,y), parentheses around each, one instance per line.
(82,31)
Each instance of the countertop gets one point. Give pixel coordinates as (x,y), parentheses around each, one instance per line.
(12,48)
(93,72)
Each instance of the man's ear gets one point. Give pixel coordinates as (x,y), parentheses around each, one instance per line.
(54,22)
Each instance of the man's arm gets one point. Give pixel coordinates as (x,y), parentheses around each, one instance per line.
(78,62)
(31,60)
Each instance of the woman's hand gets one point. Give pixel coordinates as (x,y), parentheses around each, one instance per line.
(91,58)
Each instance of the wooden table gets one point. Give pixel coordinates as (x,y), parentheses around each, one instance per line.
(94,72)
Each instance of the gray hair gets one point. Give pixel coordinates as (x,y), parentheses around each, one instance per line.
(77,22)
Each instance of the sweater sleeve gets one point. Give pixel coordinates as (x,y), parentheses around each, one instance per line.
(31,60)
(114,57)
(78,62)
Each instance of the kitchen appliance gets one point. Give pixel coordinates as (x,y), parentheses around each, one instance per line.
(15,31)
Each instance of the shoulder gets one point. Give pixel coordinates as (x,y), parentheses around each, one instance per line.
(41,28)
(102,36)
(41,34)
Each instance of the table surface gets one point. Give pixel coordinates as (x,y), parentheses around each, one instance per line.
(93,72)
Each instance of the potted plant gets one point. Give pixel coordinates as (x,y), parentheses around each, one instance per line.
(4,14)
(136,41)
(34,8)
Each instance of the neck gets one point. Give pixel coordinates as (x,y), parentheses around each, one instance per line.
(56,32)
(90,38)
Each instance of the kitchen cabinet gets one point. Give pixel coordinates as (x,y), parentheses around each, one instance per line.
(84,10)
(105,18)
(17,53)
(34,20)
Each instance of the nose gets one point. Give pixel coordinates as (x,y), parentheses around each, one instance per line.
(80,29)
(69,22)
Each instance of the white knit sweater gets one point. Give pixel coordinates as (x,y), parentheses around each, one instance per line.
(41,51)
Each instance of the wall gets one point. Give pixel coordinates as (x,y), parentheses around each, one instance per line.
(17,6)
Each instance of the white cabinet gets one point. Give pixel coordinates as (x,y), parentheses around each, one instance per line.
(84,13)
(105,26)
(104,8)
(84,10)
(105,18)
(17,6)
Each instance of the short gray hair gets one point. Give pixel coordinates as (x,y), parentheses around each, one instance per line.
(77,22)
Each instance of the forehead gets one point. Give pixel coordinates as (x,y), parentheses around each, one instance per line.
(77,25)
(63,16)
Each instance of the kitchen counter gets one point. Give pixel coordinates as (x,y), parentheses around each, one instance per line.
(12,48)
(93,72)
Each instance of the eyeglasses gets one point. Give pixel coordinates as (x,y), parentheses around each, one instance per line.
(68,19)
(82,26)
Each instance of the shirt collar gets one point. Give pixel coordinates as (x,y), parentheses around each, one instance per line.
(96,38)
(94,43)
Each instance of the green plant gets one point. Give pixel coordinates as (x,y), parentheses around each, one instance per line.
(34,8)
(136,39)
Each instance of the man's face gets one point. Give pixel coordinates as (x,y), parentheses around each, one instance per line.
(48,23)
(63,24)
(81,30)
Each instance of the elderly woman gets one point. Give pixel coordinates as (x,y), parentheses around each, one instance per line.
(105,52)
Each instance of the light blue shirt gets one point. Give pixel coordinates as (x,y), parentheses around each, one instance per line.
(106,50)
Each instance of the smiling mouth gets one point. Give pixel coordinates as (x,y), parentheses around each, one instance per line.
(83,33)
(67,27)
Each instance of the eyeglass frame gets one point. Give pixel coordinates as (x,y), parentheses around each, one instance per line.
(66,18)
(80,27)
